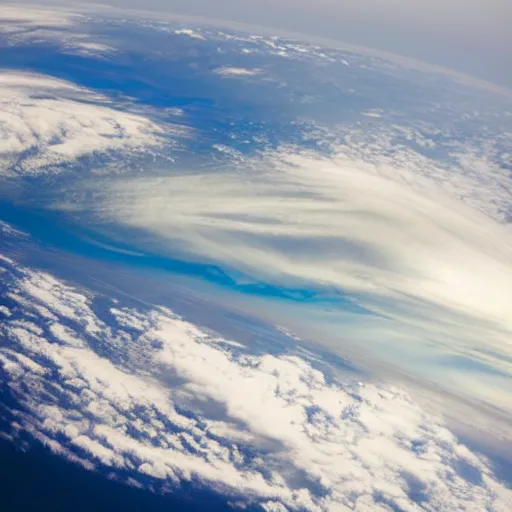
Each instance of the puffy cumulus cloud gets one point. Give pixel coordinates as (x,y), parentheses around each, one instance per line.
(391,240)
(45,123)
(153,398)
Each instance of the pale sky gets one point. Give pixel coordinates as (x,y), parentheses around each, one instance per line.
(472,36)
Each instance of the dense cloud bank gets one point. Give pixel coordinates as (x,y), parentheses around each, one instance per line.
(158,399)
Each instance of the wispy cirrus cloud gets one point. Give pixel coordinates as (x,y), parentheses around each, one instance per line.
(436,271)
(29,17)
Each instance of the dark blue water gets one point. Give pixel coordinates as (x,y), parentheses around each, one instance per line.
(38,481)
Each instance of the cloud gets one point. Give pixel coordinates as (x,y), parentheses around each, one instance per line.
(471,36)
(36,25)
(8,230)
(233,72)
(267,429)
(30,17)
(190,33)
(46,123)
(437,271)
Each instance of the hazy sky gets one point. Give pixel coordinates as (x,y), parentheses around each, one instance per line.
(472,36)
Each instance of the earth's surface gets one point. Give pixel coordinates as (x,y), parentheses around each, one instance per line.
(247,271)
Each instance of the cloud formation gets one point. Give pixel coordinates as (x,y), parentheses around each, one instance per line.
(147,394)
(46,122)
(156,399)
(390,239)
(30,17)
(240,72)
(35,25)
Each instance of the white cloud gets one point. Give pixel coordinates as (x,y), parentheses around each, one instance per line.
(8,230)
(103,391)
(234,72)
(45,123)
(190,33)
(4,311)
(473,172)
(78,45)
(17,17)
(35,25)
(393,240)
(372,113)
